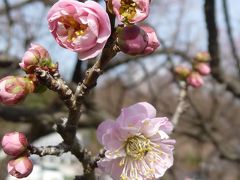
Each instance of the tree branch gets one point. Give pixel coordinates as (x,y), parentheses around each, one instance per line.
(230,35)
(213,49)
(181,106)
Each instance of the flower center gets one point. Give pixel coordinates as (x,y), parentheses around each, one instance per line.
(74,28)
(128,9)
(137,146)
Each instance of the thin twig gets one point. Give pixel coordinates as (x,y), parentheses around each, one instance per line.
(57,150)
(181,106)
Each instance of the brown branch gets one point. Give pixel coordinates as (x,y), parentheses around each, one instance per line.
(57,150)
(163,51)
(213,49)
(58,85)
(16,6)
(230,35)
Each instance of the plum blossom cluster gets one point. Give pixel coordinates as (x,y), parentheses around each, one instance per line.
(137,144)
(200,68)
(85,27)
(134,39)
(15,145)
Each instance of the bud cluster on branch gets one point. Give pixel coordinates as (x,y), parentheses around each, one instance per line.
(200,67)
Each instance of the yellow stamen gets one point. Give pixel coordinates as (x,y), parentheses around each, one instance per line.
(137,147)
(128,9)
(73,27)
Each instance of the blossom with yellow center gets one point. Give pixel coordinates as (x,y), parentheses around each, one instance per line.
(80,27)
(74,28)
(137,144)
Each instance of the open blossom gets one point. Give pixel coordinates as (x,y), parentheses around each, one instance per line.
(153,42)
(80,27)
(20,167)
(36,56)
(203,68)
(195,80)
(130,11)
(132,40)
(137,144)
(14,143)
(14,89)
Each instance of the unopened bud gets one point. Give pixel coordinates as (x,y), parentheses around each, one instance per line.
(14,89)
(203,68)
(153,42)
(14,143)
(202,57)
(36,56)
(132,40)
(20,167)
(182,72)
(195,80)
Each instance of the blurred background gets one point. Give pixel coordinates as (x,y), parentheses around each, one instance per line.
(208,136)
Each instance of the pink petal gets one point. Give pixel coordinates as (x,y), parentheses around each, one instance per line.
(103,128)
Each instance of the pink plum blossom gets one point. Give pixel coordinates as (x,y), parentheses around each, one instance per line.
(14,143)
(130,11)
(35,56)
(132,40)
(14,89)
(20,167)
(153,42)
(195,80)
(80,27)
(137,144)
(203,68)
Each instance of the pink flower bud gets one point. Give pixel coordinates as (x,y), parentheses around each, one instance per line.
(20,167)
(153,42)
(195,80)
(13,89)
(35,56)
(132,40)
(182,72)
(202,57)
(14,143)
(130,11)
(203,68)
(80,27)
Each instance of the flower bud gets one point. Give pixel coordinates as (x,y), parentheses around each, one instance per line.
(202,57)
(36,56)
(203,68)
(132,40)
(153,42)
(182,72)
(195,80)
(20,167)
(14,143)
(13,89)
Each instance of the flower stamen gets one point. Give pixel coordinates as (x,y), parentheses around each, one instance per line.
(128,9)
(137,146)
(73,27)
